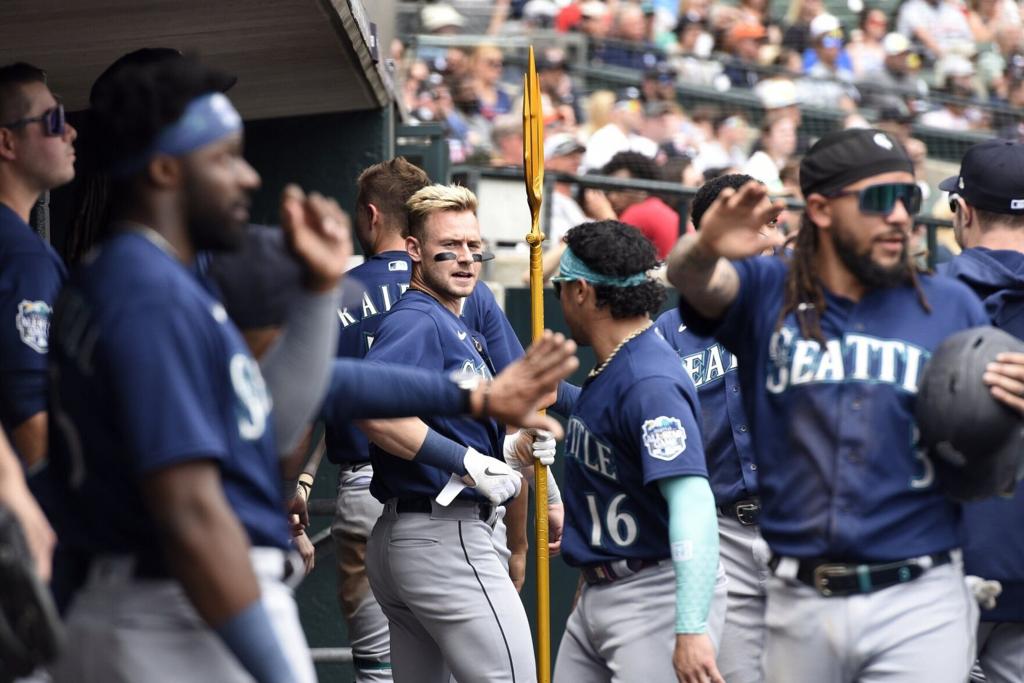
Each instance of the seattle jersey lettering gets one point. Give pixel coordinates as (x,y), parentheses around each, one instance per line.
(590,451)
(708,365)
(793,361)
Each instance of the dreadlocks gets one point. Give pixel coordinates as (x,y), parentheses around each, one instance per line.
(804,294)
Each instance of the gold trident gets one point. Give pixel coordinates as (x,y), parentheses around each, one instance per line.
(533,166)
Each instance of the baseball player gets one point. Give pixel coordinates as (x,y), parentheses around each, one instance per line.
(987,201)
(831,341)
(640,515)
(421,552)
(163,433)
(381,225)
(36,155)
(729,450)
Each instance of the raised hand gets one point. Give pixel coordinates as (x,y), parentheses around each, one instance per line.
(733,226)
(319,235)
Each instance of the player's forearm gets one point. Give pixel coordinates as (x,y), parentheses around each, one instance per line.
(516,512)
(297,368)
(693,540)
(402,438)
(362,389)
(708,282)
(30,439)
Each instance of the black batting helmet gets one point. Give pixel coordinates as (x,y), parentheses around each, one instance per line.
(976,443)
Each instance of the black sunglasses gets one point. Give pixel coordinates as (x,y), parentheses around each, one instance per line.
(954,203)
(52,119)
(880,200)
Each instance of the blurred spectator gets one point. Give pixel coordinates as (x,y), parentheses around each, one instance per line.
(987,16)
(441,19)
(563,153)
(693,37)
(624,132)
(1002,61)
(1012,126)
(918,153)
(644,211)
(659,83)
(780,97)
(690,55)
(758,12)
(799,17)
(726,148)
(595,19)
(557,84)
(866,50)
(664,123)
(507,141)
(896,122)
(486,65)
(631,47)
(897,84)
(939,26)
(825,56)
(957,112)
(744,43)
(599,109)
(778,143)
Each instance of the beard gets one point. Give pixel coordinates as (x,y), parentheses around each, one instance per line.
(211,225)
(864,268)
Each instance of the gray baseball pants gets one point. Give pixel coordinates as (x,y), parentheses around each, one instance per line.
(443,584)
(923,630)
(126,630)
(1000,652)
(745,556)
(624,632)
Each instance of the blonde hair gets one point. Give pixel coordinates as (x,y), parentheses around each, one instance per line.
(435,199)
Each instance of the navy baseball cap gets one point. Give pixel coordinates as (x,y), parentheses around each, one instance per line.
(991,177)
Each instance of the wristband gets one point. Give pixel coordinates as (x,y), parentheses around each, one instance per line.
(251,638)
(304,486)
(441,452)
(554,495)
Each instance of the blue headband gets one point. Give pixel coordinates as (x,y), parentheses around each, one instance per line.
(207,118)
(572,268)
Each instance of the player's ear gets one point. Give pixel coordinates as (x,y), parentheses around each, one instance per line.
(412,246)
(374,215)
(819,210)
(7,144)
(164,171)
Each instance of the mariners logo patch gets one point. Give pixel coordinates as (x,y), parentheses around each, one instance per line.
(664,437)
(33,322)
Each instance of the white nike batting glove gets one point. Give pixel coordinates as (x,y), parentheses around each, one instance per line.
(985,592)
(494,479)
(541,448)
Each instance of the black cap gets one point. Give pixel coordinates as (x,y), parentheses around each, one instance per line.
(991,177)
(142,57)
(844,157)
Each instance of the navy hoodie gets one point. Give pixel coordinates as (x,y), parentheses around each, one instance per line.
(994,529)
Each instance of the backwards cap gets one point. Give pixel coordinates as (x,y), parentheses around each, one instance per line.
(842,158)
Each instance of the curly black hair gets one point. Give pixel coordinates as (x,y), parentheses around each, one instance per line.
(617,249)
(639,166)
(140,100)
(709,191)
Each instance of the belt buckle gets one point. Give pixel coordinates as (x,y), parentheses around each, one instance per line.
(747,514)
(824,572)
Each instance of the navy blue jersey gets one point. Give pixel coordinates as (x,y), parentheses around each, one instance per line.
(635,423)
(724,425)
(420,331)
(385,277)
(148,372)
(994,532)
(840,474)
(31,275)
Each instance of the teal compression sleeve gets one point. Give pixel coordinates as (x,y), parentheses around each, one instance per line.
(693,538)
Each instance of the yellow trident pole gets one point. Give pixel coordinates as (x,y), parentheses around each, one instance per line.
(533,166)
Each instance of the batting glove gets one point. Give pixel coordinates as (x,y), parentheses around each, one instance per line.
(540,447)
(494,479)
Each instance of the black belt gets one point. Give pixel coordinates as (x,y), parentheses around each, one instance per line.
(838,579)
(425,505)
(610,572)
(747,511)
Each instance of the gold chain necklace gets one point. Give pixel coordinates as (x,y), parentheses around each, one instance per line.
(632,335)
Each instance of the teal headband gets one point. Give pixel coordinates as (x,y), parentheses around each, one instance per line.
(572,268)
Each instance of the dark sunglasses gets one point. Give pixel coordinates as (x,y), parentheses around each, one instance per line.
(52,120)
(954,203)
(880,200)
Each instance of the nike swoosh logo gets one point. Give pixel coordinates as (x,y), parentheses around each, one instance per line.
(462,335)
(682,328)
(489,473)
